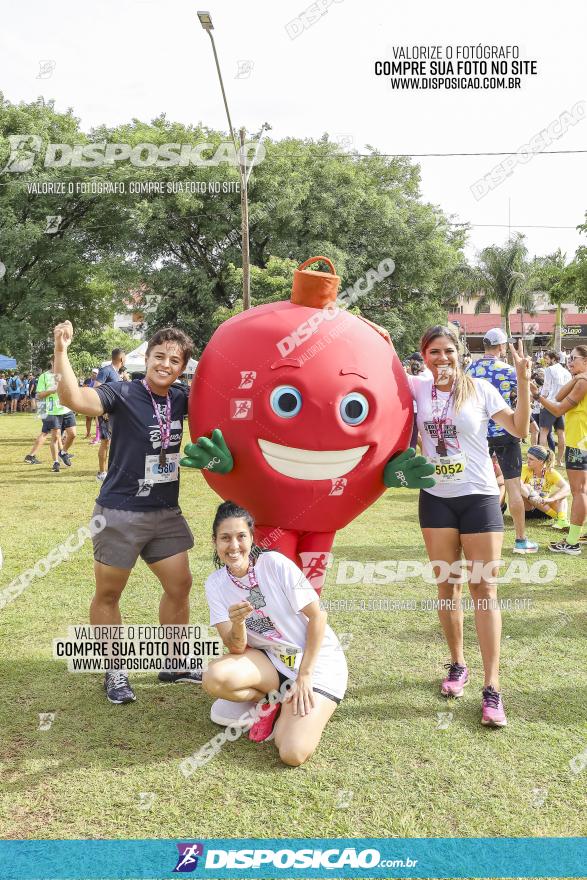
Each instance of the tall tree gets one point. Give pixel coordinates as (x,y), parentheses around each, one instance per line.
(545,275)
(306,198)
(71,266)
(180,240)
(501,278)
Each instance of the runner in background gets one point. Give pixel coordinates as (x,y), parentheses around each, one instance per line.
(555,376)
(49,411)
(13,391)
(89,383)
(32,393)
(572,401)
(3,385)
(493,367)
(538,378)
(460,514)
(112,372)
(500,483)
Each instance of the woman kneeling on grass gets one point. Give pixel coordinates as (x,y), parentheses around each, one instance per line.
(270,619)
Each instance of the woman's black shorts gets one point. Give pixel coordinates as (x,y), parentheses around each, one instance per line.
(469,514)
(576,459)
(536,514)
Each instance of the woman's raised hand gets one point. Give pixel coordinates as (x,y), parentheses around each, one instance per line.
(522,362)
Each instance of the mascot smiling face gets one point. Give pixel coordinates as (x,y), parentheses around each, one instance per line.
(312,403)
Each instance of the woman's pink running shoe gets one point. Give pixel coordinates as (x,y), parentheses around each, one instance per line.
(493,711)
(454,683)
(263,728)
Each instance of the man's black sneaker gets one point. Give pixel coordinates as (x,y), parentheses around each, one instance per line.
(564,547)
(32,459)
(55,467)
(65,458)
(191,676)
(117,688)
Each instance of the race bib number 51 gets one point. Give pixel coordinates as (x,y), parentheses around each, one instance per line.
(162,473)
(290,658)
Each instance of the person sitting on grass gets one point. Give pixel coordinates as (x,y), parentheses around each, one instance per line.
(543,489)
(270,619)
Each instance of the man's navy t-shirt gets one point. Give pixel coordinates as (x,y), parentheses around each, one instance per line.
(135,479)
(108,374)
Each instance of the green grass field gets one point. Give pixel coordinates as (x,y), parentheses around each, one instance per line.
(383,754)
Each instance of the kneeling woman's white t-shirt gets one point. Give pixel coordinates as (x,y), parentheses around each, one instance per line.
(278,625)
(465,436)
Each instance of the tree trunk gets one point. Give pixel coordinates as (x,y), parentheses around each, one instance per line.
(558,329)
(508,331)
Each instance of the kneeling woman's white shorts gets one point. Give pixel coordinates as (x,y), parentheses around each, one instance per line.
(330,677)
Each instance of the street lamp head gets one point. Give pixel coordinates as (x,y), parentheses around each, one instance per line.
(206,21)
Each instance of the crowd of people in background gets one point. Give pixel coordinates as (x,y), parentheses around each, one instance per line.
(534,490)
(17,392)
(21,393)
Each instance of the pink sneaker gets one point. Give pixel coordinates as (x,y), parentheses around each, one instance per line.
(454,683)
(263,728)
(493,711)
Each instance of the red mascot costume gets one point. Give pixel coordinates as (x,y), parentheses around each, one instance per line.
(305,405)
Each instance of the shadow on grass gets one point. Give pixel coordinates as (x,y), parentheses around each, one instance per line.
(42,476)
(562,706)
(166,725)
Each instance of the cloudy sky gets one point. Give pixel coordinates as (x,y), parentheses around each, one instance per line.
(120,59)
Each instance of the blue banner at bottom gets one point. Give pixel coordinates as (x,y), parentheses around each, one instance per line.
(291,858)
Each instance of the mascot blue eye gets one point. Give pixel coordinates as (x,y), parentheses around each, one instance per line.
(286,401)
(354,408)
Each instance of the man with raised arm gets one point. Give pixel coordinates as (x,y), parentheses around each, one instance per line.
(139,496)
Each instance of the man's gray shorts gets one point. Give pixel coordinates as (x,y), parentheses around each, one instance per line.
(151,534)
(548,420)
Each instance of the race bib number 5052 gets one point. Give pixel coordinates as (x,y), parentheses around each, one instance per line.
(449,468)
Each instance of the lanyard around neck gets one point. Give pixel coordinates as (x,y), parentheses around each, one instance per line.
(251,575)
(164,429)
(440,421)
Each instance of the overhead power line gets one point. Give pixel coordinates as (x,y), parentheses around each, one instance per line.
(443,155)
(516,225)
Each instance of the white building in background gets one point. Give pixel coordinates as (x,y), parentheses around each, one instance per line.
(133,320)
(537,327)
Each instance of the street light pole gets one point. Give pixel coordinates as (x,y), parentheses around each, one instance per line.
(245,225)
(206,22)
